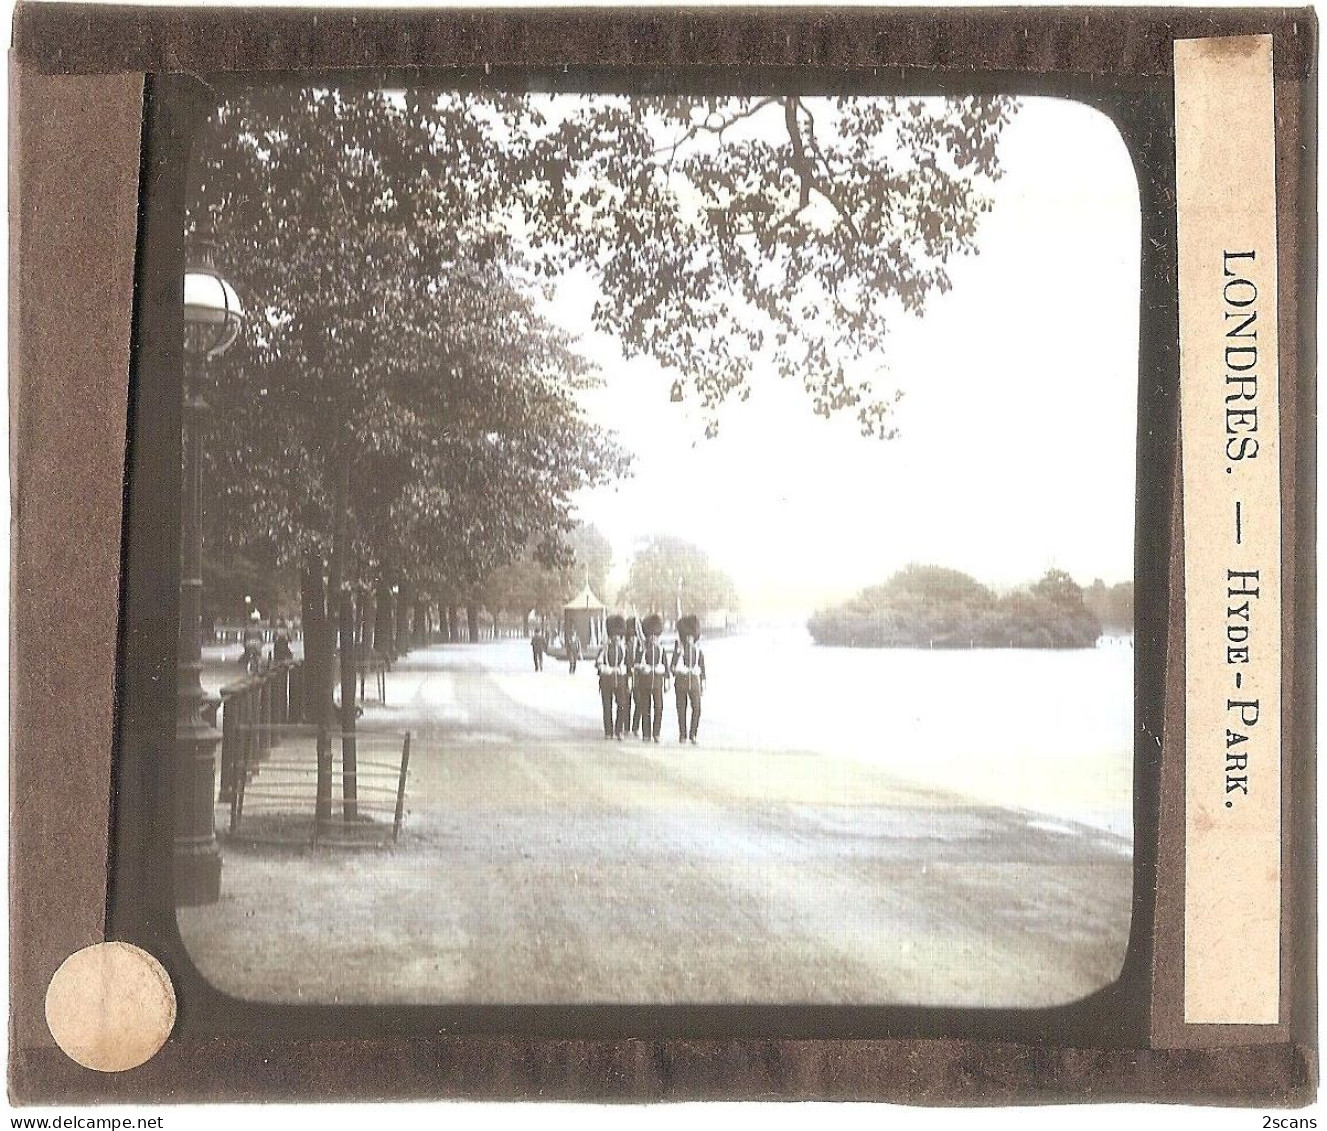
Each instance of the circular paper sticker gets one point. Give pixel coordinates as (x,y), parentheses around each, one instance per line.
(110,1006)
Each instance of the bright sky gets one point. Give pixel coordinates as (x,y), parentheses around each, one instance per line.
(1017,425)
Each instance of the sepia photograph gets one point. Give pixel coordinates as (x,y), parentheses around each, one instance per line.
(650,548)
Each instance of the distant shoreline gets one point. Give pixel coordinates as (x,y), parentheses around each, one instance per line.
(1115,639)
(929,606)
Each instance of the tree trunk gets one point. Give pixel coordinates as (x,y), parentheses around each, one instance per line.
(382,621)
(420,635)
(472,622)
(317,678)
(401,631)
(362,622)
(339,598)
(349,752)
(451,624)
(368,620)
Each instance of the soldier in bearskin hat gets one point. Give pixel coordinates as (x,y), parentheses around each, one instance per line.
(635,642)
(652,678)
(688,667)
(612,666)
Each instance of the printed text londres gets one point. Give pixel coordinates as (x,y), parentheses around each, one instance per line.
(1243,585)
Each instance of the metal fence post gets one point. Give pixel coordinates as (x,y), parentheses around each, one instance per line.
(264,715)
(280,699)
(296,706)
(230,738)
(252,749)
(400,788)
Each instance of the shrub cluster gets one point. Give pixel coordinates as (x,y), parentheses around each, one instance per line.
(925,606)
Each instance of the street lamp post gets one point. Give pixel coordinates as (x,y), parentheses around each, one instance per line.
(212,317)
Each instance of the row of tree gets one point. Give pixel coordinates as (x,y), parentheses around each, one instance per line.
(663,571)
(927,606)
(398,420)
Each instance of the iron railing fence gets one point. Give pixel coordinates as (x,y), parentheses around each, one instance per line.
(313,785)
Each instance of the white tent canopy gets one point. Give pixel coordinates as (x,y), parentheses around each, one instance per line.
(584,614)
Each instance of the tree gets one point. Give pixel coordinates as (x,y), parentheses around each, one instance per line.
(234,584)
(1058,588)
(544,586)
(591,558)
(390,358)
(389,354)
(667,567)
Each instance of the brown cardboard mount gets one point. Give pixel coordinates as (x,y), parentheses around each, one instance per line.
(78,108)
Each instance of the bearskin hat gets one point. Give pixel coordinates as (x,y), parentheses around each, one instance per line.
(688,626)
(653,624)
(615,625)
(632,626)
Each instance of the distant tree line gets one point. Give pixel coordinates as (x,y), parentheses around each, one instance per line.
(925,606)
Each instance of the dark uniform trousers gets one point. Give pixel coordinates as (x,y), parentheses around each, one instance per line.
(688,691)
(686,686)
(614,692)
(651,684)
(634,648)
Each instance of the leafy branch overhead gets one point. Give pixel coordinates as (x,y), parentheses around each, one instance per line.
(792,230)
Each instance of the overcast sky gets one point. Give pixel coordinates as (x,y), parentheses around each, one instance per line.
(1016,450)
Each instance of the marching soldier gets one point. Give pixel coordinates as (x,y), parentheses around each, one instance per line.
(652,678)
(688,676)
(635,643)
(611,664)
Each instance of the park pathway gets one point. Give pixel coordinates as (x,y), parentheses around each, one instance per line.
(543,864)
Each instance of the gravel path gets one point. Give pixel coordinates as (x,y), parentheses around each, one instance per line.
(543,864)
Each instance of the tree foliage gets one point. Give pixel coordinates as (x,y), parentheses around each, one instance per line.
(734,231)
(925,606)
(384,344)
(530,584)
(1112,605)
(667,566)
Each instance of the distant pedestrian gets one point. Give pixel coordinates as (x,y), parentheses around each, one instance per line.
(538,645)
(573,651)
(688,676)
(614,694)
(652,677)
(281,651)
(252,639)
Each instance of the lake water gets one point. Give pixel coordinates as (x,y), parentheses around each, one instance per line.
(1047,730)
